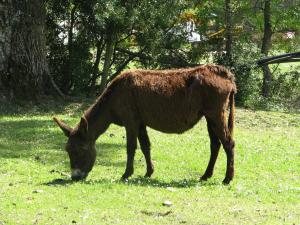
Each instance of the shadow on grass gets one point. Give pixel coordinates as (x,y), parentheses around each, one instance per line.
(48,106)
(153,182)
(30,137)
(23,138)
(59,182)
(139,181)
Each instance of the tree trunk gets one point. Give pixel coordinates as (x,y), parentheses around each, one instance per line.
(266,45)
(228,31)
(6,13)
(107,61)
(95,75)
(67,80)
(23,65)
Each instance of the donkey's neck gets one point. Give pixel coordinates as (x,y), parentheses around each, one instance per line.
(98,118)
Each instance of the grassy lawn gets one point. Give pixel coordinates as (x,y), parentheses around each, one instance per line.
(35,187)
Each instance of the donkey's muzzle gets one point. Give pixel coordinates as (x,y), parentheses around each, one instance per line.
(77,178)
(78,175)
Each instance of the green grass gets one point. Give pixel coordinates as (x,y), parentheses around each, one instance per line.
(266,189)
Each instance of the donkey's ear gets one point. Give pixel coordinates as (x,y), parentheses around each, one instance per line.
(83,126)
(65,128)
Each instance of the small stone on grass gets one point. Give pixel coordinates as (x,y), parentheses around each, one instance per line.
(37,191)
(167,203)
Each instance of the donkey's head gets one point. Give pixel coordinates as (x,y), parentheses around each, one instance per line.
(80,147)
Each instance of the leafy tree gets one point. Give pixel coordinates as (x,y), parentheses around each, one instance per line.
(116,33)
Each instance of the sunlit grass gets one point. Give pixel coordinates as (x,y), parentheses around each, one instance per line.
(266,189)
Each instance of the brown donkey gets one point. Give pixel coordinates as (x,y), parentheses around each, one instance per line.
(170,101)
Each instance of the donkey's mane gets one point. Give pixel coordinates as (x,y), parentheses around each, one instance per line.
(215,69)
(95,108)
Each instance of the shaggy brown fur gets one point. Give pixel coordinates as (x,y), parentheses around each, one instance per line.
(170,101)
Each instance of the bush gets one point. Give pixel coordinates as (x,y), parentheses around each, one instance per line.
(285,91)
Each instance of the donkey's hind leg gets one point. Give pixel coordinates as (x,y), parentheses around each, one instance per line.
(220,128)
(145,147)
(215,145)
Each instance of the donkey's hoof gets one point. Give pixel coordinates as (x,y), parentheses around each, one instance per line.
(126,175)
(205,177)
(125,180)
(226,181)
(149,173)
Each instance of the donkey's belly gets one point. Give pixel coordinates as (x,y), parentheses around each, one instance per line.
(173,123)
(172,129)
(173,112)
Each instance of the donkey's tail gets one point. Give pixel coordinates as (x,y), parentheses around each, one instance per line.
(231,113)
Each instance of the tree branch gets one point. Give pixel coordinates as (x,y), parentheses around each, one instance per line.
(143,56)
(120,68)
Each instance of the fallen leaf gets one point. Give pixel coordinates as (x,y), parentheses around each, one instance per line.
(157,214)
(165,214)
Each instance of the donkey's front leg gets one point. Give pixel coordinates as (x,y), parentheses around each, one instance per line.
(131,137)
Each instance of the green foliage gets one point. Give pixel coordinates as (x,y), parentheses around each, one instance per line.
(287,84)
(264,191)
(286,87)
(64,57)
(136,27)
(285,90)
